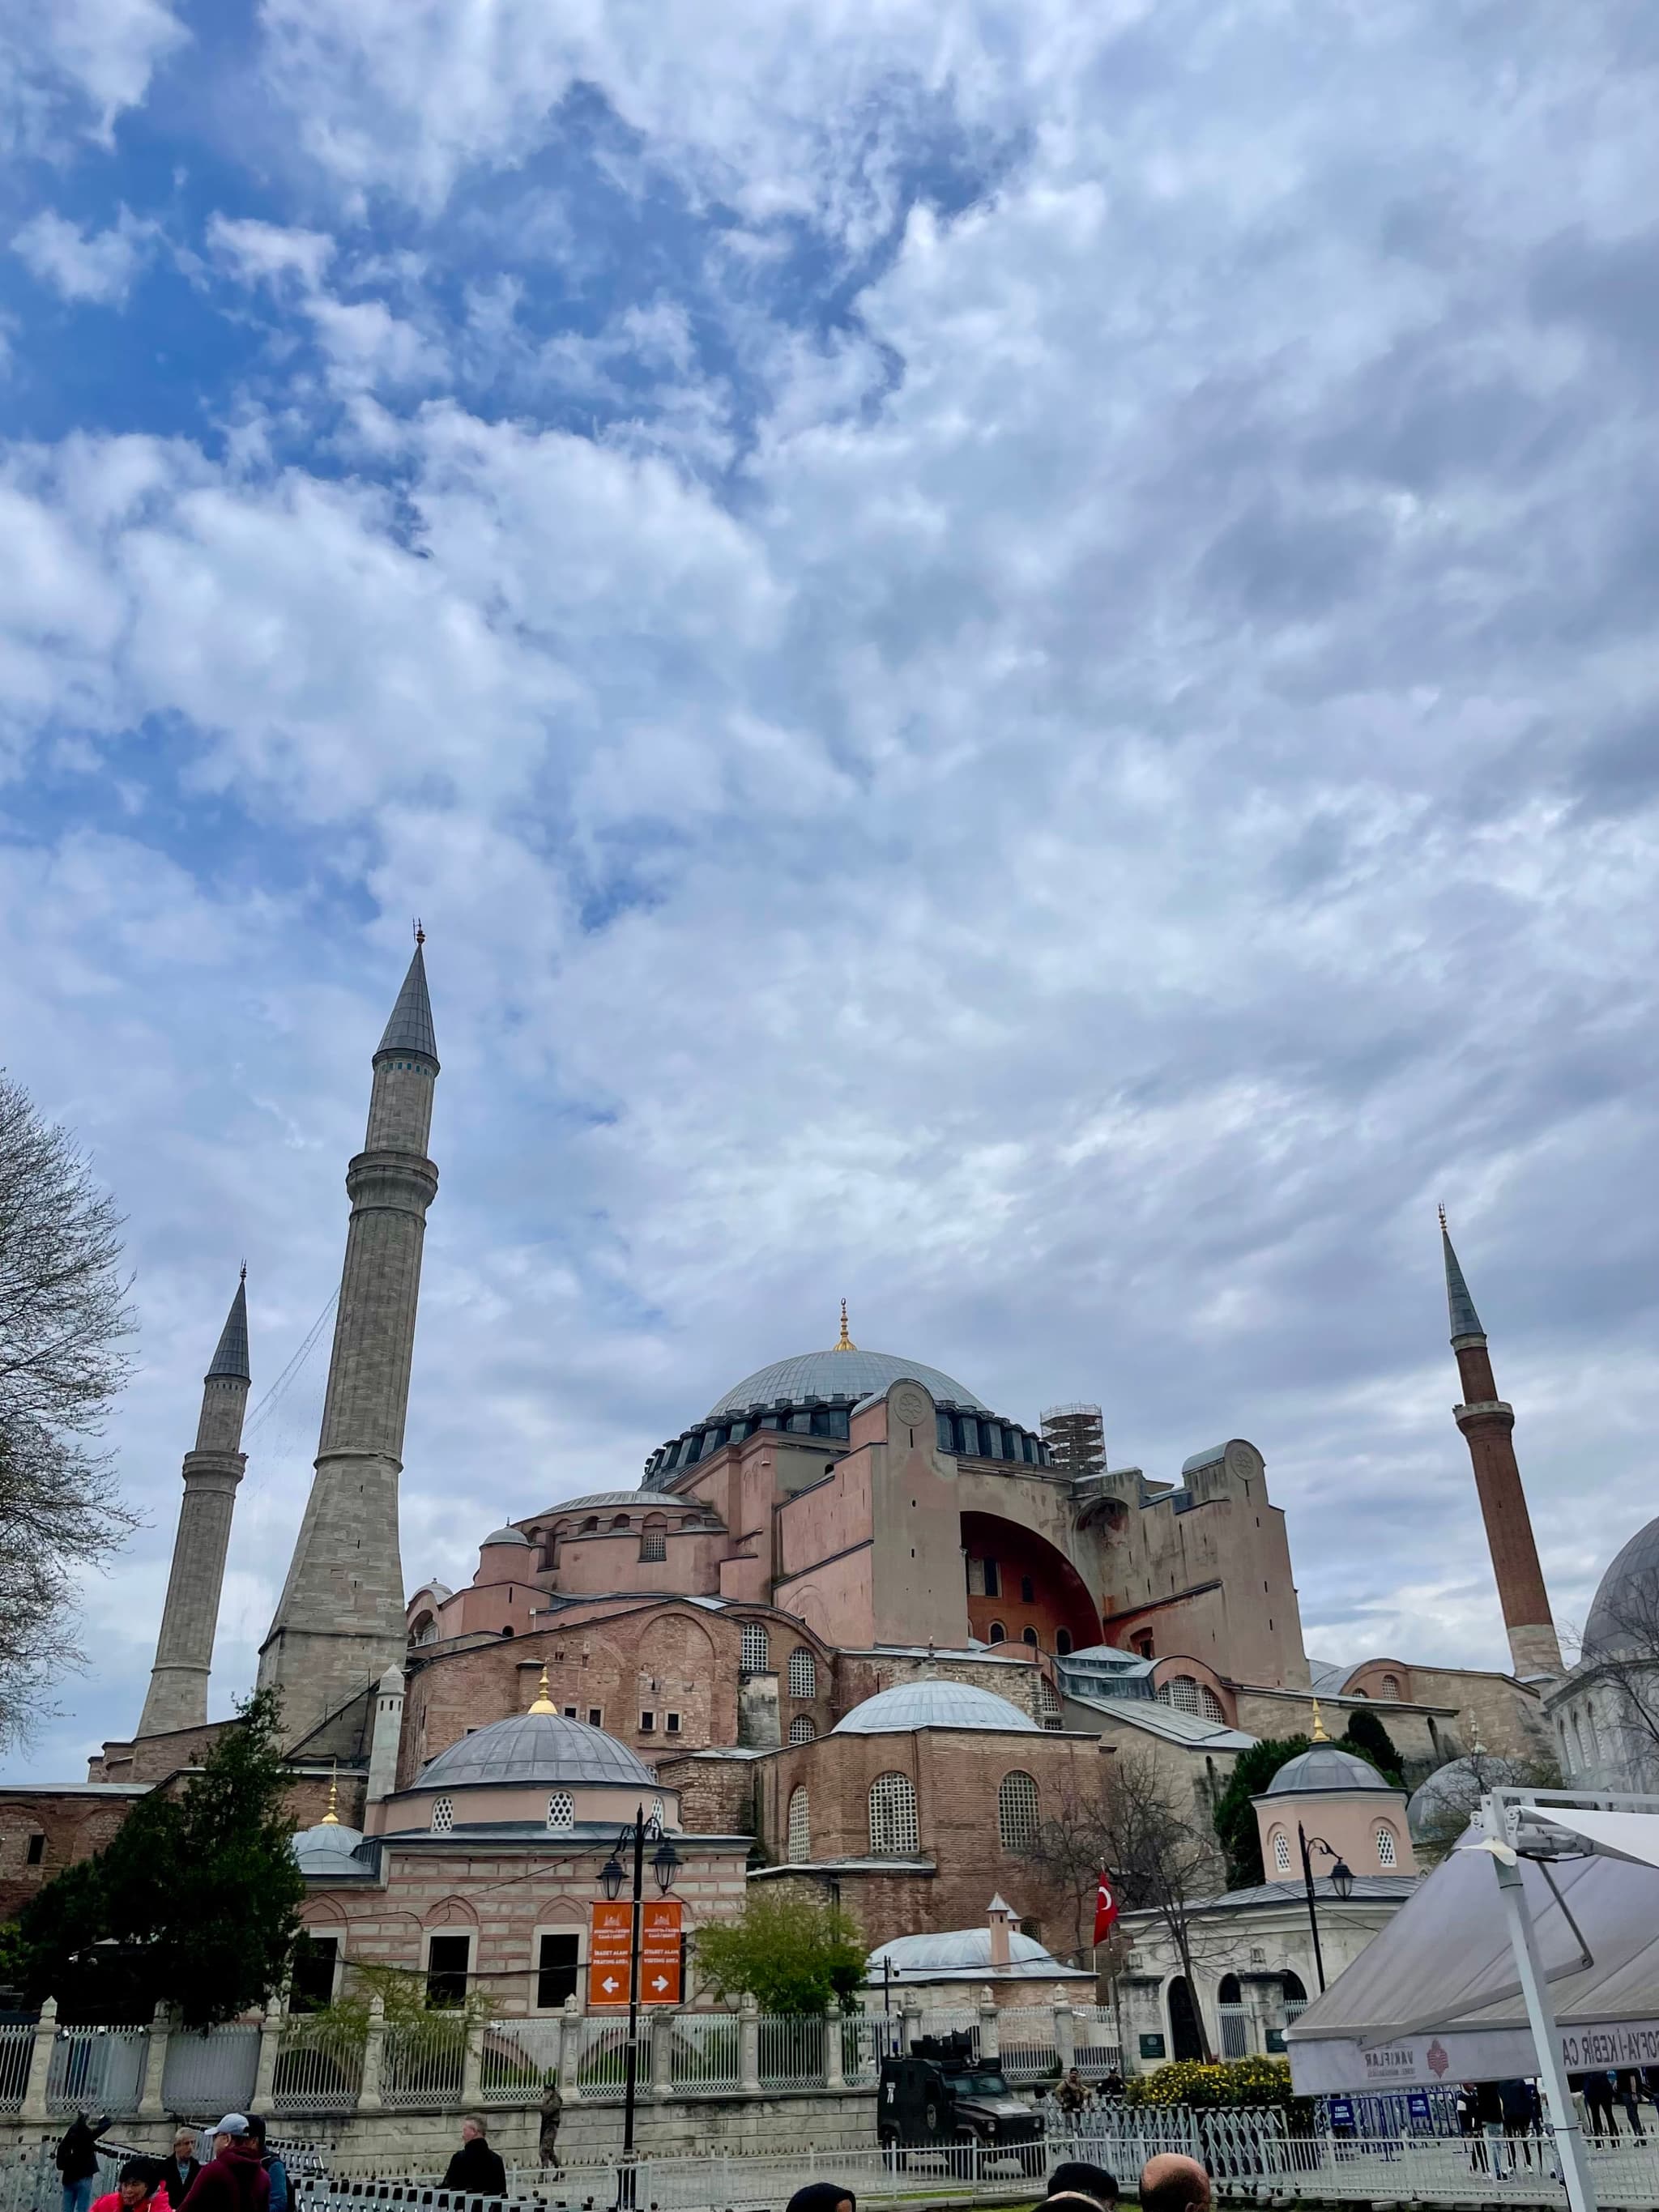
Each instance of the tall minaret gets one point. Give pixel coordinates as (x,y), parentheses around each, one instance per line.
(339,1623)
(1488,1424)
(183,1649)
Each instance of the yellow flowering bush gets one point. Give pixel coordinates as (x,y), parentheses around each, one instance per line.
(1234,2082)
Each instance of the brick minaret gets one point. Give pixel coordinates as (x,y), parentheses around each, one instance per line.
(339,1623)
(1488,1426)
(184,1648)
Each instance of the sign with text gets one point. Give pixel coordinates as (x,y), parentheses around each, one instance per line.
(610,1941)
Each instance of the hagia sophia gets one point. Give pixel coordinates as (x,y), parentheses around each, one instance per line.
(854,1628)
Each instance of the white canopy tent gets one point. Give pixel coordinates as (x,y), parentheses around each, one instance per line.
(1532,1950)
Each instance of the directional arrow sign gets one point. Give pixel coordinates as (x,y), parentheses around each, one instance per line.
(610,1986)
(660,1983)
(611,1941)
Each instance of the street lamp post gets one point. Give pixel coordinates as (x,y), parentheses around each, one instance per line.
(664,1862)
(1341,1882)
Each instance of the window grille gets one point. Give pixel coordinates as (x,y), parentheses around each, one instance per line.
(803,1729)
(1281,1854)
(1180,1691)
(803,1673)
(757,1648)
(1386,1855)
(1050,1710)
(1209,1704)
(561,1810)
(443,1815)
(653,1544)
(1391,1686)
(892,1815)
(800,1828)
(1017,1811)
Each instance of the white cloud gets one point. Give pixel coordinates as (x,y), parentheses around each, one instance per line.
(78,65)
(266,252)
(96,266)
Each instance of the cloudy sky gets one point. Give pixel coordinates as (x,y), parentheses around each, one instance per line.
(1009,648)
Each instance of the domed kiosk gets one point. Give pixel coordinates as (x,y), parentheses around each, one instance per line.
(1352,1819)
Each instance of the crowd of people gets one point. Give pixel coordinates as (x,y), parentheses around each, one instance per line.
(240,2173)
(1495,2111)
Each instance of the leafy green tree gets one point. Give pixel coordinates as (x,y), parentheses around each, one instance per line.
(194,1900)
(788,1953)
(1366,1734)
(1235,1816)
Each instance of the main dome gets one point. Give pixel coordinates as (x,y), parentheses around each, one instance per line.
(1625,1596)
(852,1374)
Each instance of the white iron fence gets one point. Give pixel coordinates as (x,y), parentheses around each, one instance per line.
(16,2048)
(210,2070)
(320,2068)
(97,2069)
(425,2063)
(790,2052)
(519,2058)
(704,2054)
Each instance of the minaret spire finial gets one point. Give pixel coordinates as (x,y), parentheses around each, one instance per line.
(844,1343)
(1319,1735)
(331,1818)
(420,934)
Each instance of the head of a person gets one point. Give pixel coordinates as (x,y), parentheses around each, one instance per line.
(823,2196)
(183,2144)
(256,2129)
(138,2182)
(1075,2176)
(473,2129)
(1170,2183)
(231,2132)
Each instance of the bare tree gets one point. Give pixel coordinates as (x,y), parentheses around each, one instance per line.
(1163,1855)
(63,1315)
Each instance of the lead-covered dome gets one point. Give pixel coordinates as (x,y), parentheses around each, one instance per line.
(328,1852)
(932,1704)
(854,1375)
(535,1748)
(1627,1596)
(1325,1767)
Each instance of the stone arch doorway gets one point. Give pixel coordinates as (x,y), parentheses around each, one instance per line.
(1186,2037)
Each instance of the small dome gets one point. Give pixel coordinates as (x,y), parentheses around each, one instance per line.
(855,1374)
(535,1748)
(329,1849)
(1625,1595)
(932,1704)
(1457,1787)
(1325,1767)
(955,1949)
(506,1536)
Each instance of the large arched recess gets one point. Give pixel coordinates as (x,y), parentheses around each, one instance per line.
(1059,1609)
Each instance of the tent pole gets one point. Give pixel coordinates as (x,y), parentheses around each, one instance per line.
(1540,2017)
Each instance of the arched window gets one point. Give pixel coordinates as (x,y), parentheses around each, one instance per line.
(800,1846)
(1386,1856)
(1209,1704)
(1017,1810)
(892,1815)
(621,1521)
(803,1673)
(1281,1852)
(1050,1712)
(997,1633)
(653,1538)
(561,1810)
(803,1729)
(590,1524)
(1028,1636)
(1229,1991)
(443,1815)
(756,1647)
(1062,1641)
(1295,1990)
(1391,1686)
(1180,1691)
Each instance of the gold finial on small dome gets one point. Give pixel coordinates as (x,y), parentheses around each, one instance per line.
(543,1703)
(844,1343)
(332,1818)
(1319,1735)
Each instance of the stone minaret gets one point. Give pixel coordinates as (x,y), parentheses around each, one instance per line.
(183,1649)
(1488,1427)
(339,1623)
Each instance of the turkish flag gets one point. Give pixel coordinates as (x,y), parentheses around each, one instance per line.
(1105,1908)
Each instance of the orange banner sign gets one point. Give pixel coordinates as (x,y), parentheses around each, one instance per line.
(610,1941)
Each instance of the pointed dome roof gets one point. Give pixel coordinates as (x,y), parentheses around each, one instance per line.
(1325,1767)
(411,1028)
(933,1702)
(1459,1306)
(231,1357)
(535,1748)
(851,1374)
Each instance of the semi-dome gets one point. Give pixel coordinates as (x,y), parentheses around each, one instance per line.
(1325,1767)
(932,1704)
(535,1748)
(1627,1596)
(852,1374)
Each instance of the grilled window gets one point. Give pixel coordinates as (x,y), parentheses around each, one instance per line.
(892,1815)
(443,1815)
(561,1810)
(1281,1853)
(803,1673)
(1386,1854)
(799,1847)
(803,1729)
(757,1648)
(1017,1810)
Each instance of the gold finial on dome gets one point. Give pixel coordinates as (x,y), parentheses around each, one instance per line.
(1319,1735)
(844,1343)
(331,1818)
(543,1703)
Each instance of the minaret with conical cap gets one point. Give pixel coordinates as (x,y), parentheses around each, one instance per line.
(183,1649)
(339,1623)
(1488,1426)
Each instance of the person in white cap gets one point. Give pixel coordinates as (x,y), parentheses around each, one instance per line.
(233,2180)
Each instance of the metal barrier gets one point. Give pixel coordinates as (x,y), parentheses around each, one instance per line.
(210,2069)
(601,2070)
(518,2059)
(16,2047)
(790,2052)
(425,2063)
(704,2053)
(97,2069)
(320,2068)
(1096,2050)
(1026,2041)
